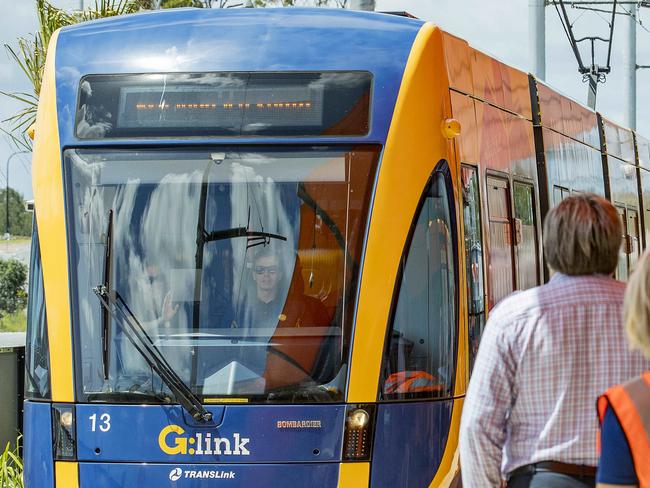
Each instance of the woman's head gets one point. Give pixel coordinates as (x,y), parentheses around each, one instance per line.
(636,308)
(582,236)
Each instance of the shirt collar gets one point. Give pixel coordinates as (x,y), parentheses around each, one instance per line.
(560,277)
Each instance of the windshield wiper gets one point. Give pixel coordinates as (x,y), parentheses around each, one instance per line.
(137,335)
(114,305)
(106,317)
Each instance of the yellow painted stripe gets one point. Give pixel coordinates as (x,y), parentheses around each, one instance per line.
(354,475)
(66,474)
(449,467)
(47,181)
(413,147)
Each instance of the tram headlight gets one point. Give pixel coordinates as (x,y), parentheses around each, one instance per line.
(64,432)
(66,419)
(358,419)
(357,442)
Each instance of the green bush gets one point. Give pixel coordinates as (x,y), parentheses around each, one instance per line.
(11,467)
(13,279)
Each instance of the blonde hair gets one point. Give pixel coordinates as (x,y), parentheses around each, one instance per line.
(636,306)
(582,236)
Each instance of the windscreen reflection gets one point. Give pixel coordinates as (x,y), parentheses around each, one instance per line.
(240,265)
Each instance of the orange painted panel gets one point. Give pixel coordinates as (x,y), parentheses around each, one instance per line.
(590,131)
(493,143)
(516,91)
(619,141)
(521,143)
(486,72)
(550,107)
(459,66)
(567,116)
(463,110)
(570,120)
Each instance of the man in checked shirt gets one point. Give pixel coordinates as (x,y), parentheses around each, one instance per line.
(545,356)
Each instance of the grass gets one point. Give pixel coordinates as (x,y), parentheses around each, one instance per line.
(14,322)
(17,240)
(11,467)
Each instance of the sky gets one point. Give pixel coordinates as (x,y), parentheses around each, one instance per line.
(497,27)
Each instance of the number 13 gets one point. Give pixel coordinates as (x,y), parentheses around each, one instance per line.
(105,420)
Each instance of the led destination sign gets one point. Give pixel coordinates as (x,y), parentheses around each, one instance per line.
(224,104)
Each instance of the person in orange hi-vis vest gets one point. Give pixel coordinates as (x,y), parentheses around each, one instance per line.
(624,410)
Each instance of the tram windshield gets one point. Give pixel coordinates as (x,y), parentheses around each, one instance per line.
(238,267)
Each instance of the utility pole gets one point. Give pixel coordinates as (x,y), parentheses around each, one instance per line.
(537,37)
(362,5)
(629,67)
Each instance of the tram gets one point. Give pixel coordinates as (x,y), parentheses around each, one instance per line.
(266,241)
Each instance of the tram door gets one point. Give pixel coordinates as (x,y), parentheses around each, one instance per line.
(525,236)
(501,255)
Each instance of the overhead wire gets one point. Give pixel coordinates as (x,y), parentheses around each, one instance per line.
(636,19)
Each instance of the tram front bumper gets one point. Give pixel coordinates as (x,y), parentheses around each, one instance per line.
(145,475)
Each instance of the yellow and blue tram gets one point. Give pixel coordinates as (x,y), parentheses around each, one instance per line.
(266,241)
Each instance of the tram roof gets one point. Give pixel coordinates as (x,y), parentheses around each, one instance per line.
(231,40)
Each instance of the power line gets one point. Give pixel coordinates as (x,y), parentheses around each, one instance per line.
(636,19)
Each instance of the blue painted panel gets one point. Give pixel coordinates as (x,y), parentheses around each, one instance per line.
(410,439)
(247,434)
(199,40)
(37,445)
(102,475)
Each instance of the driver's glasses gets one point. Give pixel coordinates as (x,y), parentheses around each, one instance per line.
(260,270)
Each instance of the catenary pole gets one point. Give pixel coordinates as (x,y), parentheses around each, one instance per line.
(537,37)
(629,67)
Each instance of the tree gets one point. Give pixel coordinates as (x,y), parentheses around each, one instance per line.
(13,280)
(20,220)
(32,50)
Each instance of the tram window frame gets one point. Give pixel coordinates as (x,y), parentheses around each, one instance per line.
(518,228)
(427,391)
(501,180)
(37,343)
(476,309)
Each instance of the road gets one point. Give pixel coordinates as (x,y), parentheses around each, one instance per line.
(15,249)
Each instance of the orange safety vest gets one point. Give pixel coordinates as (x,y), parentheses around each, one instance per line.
(631,404)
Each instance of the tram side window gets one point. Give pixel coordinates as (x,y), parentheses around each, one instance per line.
(420,356)
(37,357)
(473,260)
